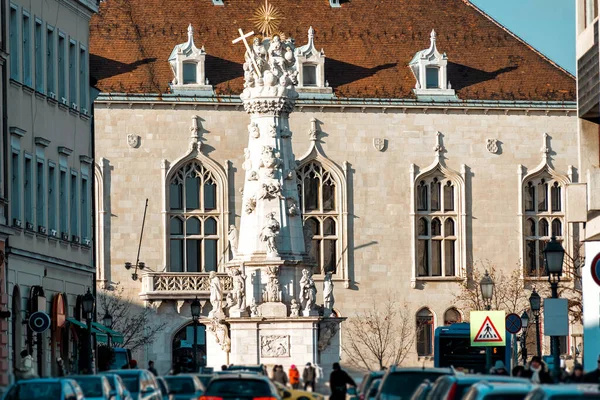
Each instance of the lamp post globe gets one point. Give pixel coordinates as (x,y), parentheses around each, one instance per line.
(487,288)
(107,320)
(524,320)
(554,255)
(195,309)
(535,302)
(87,303)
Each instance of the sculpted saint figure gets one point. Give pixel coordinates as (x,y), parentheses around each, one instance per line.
(239,289)
(216,294)
(270,232)
(233,239)
(328,298)
(308,290)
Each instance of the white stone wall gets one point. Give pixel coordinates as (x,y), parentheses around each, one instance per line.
(380,258)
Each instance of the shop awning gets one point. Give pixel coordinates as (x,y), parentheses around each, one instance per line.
(115,337)
(100,336)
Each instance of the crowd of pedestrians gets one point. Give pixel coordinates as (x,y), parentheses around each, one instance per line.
(537,371)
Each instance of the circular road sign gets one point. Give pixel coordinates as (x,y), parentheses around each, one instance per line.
(595,269)
(513,323)
(39,322)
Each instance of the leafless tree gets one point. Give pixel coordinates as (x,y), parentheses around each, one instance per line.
(380,336)
(133,321)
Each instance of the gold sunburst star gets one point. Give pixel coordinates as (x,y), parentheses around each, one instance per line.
(266,19)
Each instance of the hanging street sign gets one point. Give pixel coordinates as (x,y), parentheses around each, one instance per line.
(488,328)
(595,269)
(513,323)
(39,322)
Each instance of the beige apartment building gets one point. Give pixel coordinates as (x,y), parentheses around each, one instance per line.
(48,153)
(426,147)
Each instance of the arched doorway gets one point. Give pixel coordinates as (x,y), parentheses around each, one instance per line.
(17,327)
(182,352)
(59,340)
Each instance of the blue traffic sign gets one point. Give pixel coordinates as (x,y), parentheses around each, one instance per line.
(513,323)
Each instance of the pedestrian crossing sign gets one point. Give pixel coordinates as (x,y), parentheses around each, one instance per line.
(488,328)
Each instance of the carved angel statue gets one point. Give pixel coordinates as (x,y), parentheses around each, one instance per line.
(254,309)
(308,290)
(233,239)
(328,298)
(216,295)
(269,160)
(247,164)
(293,209)
(272,292)
(239,289)
(270,232)
(253,130)
(294,308)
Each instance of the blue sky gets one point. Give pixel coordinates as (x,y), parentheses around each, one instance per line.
(547,25)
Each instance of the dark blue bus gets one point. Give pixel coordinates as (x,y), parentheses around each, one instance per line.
(453,349)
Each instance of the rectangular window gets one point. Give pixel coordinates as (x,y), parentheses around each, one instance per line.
(83,84)
(309,75)
(210,255)
(40,204)
(72,72)
(73,205)
(50,60)
(26,50)
(432,77)
(28,190)
(193,252)
(62,88)
(14,43)
(63,204)
(424,336)
(189,73)
(176,256)
(15,185)
(51,197)
(39,57)
(85,211)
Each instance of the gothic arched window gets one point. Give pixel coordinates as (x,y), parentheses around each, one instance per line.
(318,192)
(193,219)
(543,217)
(424,332)
(452,316)
(436,227)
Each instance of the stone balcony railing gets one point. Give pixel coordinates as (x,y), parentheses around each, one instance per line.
(161,286)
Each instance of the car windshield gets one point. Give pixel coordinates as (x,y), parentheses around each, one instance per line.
(403,384)
(582,396)
(35,390)
(92,387)
(205,379)
(181,385)
(238,387)
(132,383)
(507,396)
(111,381)
(163,387)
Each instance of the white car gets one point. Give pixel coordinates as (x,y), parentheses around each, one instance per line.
(565,392)
(495,391)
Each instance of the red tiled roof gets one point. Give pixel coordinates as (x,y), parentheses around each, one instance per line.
(368,44)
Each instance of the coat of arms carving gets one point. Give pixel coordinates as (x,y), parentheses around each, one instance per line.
(492,145)
(275,346)
(379,144)
(133,140)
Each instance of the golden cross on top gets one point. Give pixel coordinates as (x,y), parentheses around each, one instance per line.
(248,49)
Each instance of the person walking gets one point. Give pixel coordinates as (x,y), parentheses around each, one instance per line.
(309,376)
(294,376)
(593,376)
(151,368)
(338,381)
(60,367)
(279,375)
(26,370)
(577,374)
(499,369)
(537,371)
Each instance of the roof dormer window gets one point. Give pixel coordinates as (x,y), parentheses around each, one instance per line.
(187,64)
(429,67)
(310,64)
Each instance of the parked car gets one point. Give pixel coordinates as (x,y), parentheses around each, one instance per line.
(117,387)
(259,369)
(400,383)
(44,388)
(205,378)
(95,387)
(184,386)
(453,387)
(241,386)
(499,391)
(366,383)
(164,388)
(371,392)
(140,383)
(297,394)
(565,392)
(422,390)
(121,358)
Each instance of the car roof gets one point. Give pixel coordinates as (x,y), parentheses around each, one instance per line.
(503,387)
(239,375)
(570,388)
(87,376)
(490,378)
(42,380)
(416,369)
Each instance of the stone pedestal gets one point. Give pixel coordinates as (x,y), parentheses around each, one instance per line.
(273,310)
(237,313)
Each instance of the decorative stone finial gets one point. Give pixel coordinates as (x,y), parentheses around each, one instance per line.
(432,36)
(190,33)
(439,147)
(313,133)
(195,136)
(545,150)
(311,33)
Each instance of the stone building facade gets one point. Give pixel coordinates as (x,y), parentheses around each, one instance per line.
(47,153)
(412,174)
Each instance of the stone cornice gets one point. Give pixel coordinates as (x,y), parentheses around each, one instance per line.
(118,100)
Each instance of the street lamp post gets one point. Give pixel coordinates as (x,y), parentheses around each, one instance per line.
(524,323)
(535,304)
(88,308)
(487,293)
(195,310)
(107,320)
(554,255)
